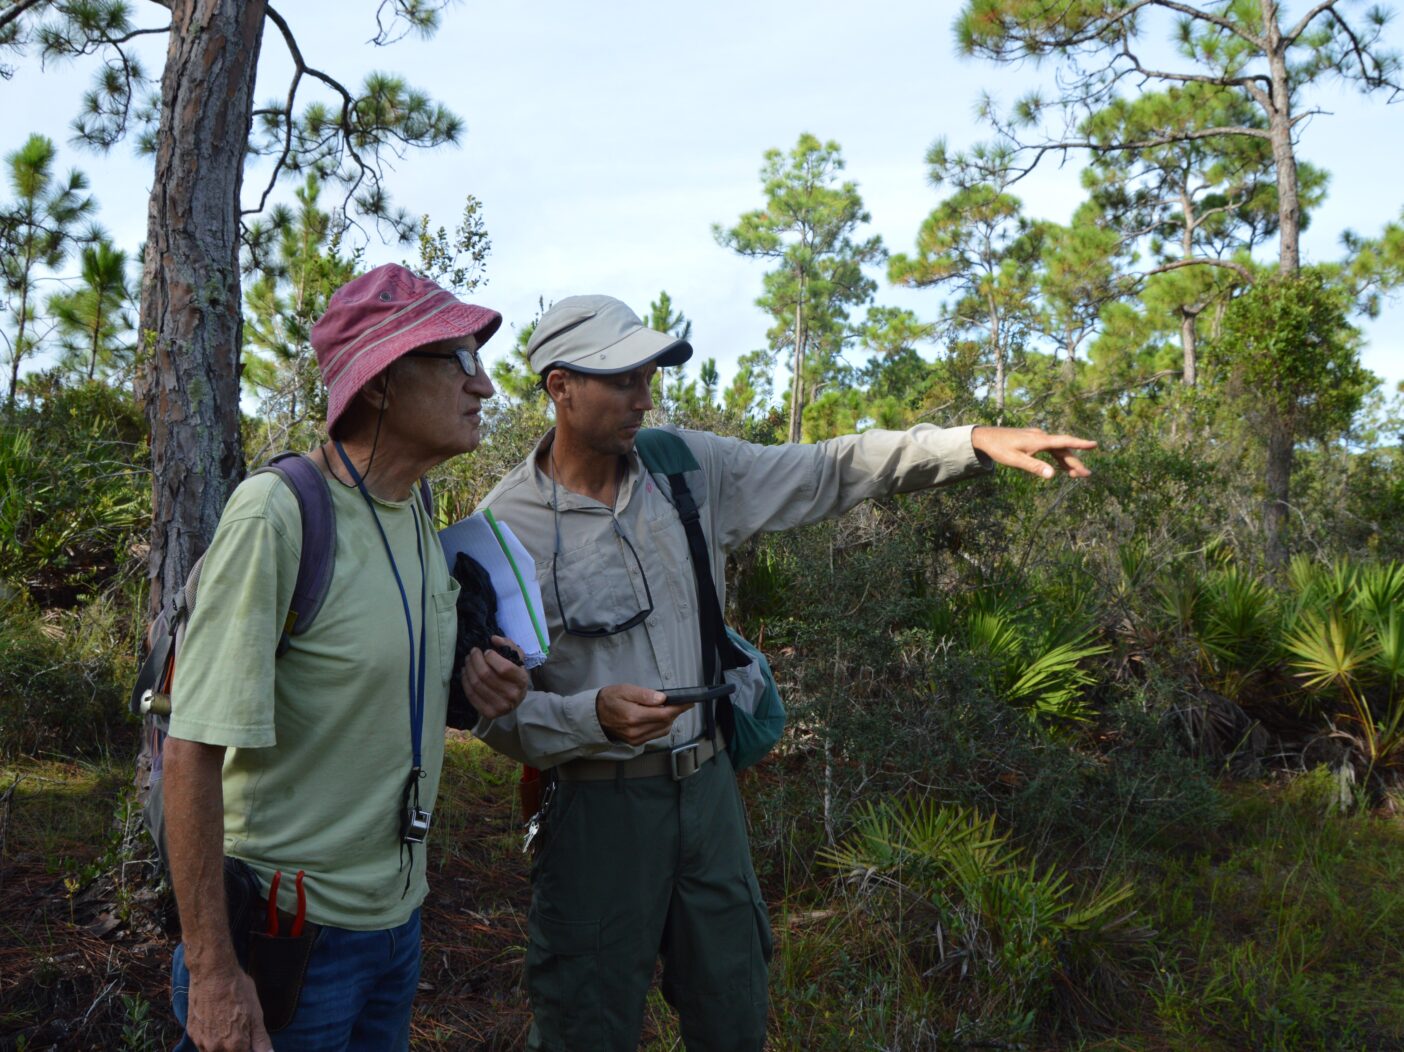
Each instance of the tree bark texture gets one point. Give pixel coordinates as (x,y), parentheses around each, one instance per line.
(1284,156)
(797,388)
(1281,437)
(1281,446)
(190,298)
(1188,344)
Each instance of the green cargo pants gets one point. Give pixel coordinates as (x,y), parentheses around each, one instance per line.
(631,869)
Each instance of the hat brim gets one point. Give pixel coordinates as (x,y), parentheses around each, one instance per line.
(450,321)
(641,347)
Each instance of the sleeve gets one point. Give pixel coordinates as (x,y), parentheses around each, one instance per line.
(756,488)
(548,729)
(222,692)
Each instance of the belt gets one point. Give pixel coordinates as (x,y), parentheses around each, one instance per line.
(681,762)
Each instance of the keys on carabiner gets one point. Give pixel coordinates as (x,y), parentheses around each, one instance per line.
(534,824)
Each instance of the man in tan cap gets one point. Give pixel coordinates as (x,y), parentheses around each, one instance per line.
(640,855)
(303,760)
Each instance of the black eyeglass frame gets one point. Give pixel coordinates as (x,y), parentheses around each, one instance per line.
(611,630)
(468,360)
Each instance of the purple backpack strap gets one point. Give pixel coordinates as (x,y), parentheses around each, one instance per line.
(426,495)
(314,569)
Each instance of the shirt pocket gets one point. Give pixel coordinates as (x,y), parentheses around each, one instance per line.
(589,587)
(674,559)
(444,611)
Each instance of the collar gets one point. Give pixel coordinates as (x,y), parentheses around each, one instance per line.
(569,499)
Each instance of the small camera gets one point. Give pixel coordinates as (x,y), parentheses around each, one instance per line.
(414,826)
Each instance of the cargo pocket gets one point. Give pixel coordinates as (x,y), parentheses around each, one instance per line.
(562,973)
(767,940)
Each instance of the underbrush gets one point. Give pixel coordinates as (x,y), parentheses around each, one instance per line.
(1283,930)
(64,680)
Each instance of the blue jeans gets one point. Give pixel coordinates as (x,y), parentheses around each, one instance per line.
(357,995)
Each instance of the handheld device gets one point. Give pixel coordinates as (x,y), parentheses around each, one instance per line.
(692,695)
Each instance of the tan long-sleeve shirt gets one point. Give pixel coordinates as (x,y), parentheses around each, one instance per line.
(589,575)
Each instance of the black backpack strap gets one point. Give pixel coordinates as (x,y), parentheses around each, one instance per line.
(318,555)
(426,497)
(669,453)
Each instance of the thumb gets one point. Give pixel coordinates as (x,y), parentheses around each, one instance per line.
(1032,465)
(259,1041)
(643,695)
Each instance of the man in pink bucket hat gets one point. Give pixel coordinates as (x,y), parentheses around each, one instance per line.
(303,760)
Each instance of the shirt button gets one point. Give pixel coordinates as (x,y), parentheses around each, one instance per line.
(667,677)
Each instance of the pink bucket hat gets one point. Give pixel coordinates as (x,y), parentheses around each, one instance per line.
(380,316)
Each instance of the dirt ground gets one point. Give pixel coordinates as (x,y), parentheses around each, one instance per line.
(86,943)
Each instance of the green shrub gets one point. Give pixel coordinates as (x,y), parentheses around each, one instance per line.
(63,680)
(1001,934)
(75,490)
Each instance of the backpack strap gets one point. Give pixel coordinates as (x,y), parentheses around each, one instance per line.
(318,554)
(665,454)
(426,497)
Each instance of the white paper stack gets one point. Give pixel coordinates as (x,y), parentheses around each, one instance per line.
(496,549)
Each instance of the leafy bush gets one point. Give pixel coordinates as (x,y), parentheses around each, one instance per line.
(63,680)
(75,489)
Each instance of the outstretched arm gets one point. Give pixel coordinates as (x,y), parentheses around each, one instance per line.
(1019,447)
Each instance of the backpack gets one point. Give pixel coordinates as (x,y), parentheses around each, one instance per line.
(753,718)
(151,694)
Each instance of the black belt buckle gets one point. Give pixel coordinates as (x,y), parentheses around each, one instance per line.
(414,826)
(684,760)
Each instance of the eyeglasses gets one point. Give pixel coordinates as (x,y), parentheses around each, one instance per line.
(596,631)
(468,360)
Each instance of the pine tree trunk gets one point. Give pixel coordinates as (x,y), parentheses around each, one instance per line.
(997,345)
(797,386)
(1281,445)
(1189,345)
(190,298)
(1281,439)
(20,322)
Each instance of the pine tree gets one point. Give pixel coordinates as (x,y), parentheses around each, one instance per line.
(94,321)
(807,228)
(41,227)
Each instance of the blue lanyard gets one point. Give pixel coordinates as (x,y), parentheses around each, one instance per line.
(416,667)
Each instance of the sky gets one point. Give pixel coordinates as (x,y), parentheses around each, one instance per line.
(605,140)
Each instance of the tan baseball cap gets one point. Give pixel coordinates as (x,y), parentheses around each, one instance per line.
(599,334)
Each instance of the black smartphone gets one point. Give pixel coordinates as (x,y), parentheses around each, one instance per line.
(692,695)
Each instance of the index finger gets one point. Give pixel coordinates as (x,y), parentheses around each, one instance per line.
(1047,442)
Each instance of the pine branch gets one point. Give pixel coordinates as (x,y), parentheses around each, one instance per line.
(1292,34)
(17,9)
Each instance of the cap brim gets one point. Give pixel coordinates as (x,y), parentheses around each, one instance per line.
(641,347)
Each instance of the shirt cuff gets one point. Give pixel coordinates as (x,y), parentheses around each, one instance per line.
(584,718)
(231,737)
(978,461)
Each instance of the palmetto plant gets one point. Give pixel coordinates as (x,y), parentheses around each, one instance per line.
(1352,651)
(963,905)
(1038,668)
(1236,621)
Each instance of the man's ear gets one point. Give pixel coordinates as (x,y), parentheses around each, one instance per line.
(376,391)
(558,387)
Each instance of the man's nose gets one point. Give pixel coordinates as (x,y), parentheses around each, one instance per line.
(481,384)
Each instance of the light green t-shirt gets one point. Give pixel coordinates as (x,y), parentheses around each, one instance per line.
(319,739)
